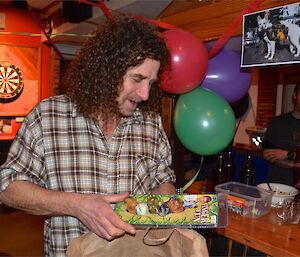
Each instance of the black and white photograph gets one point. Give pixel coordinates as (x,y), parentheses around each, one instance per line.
(271,36)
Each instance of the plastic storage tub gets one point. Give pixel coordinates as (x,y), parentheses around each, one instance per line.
(245,200)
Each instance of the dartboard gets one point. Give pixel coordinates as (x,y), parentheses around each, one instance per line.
(11,82)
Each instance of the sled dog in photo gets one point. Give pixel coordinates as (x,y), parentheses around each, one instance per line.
(264,25)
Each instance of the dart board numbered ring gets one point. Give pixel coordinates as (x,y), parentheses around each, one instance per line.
(11,83)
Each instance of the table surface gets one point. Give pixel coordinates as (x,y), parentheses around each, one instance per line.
(267,234)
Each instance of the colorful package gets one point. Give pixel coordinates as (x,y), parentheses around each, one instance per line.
(201,210)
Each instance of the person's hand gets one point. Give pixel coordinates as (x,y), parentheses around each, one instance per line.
(95,212)
(165,188)
(278,157)
(275,154)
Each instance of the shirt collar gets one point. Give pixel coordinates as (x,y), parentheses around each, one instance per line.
(73,110)
(136,117)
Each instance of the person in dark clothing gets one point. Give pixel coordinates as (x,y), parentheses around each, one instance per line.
(280,142)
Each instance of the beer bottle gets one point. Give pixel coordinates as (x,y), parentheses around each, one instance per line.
(248,170)
(229,165)
(219,176)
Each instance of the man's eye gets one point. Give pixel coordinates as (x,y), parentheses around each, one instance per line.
(137,80)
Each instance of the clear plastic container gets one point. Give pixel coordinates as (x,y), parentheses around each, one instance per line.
(245,200)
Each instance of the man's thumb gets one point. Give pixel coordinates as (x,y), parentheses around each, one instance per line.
(116,197)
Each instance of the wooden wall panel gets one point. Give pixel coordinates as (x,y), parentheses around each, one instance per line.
(266,96)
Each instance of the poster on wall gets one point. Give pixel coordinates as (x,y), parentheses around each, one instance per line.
(19,79)
(271,36)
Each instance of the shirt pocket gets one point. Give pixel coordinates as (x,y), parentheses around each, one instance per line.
(145,174)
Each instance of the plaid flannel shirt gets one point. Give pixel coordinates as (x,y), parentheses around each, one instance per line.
(59,149)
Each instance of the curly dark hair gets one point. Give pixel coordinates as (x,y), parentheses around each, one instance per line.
(95,76)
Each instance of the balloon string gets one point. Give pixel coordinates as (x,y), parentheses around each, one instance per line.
(232,27)
(186,186)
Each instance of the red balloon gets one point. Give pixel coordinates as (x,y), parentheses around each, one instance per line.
(189,62)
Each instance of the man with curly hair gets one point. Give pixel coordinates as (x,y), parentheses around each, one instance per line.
(79,152)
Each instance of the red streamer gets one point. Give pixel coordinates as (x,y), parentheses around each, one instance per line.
(232,27)
(158,23)
(38,19)
(220,42)
(215,49)
(105,10)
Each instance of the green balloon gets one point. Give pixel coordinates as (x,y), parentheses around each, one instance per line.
(204,121)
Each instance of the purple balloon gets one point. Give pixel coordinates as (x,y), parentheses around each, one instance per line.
(226,78)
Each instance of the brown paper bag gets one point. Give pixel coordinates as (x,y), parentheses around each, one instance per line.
(146,243)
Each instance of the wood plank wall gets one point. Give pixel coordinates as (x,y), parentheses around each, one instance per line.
(266,95)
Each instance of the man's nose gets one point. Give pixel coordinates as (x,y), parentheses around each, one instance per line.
(143,91)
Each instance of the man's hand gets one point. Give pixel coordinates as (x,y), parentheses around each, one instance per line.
(95,212)
(166,188)
(275,154)
(278,157)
